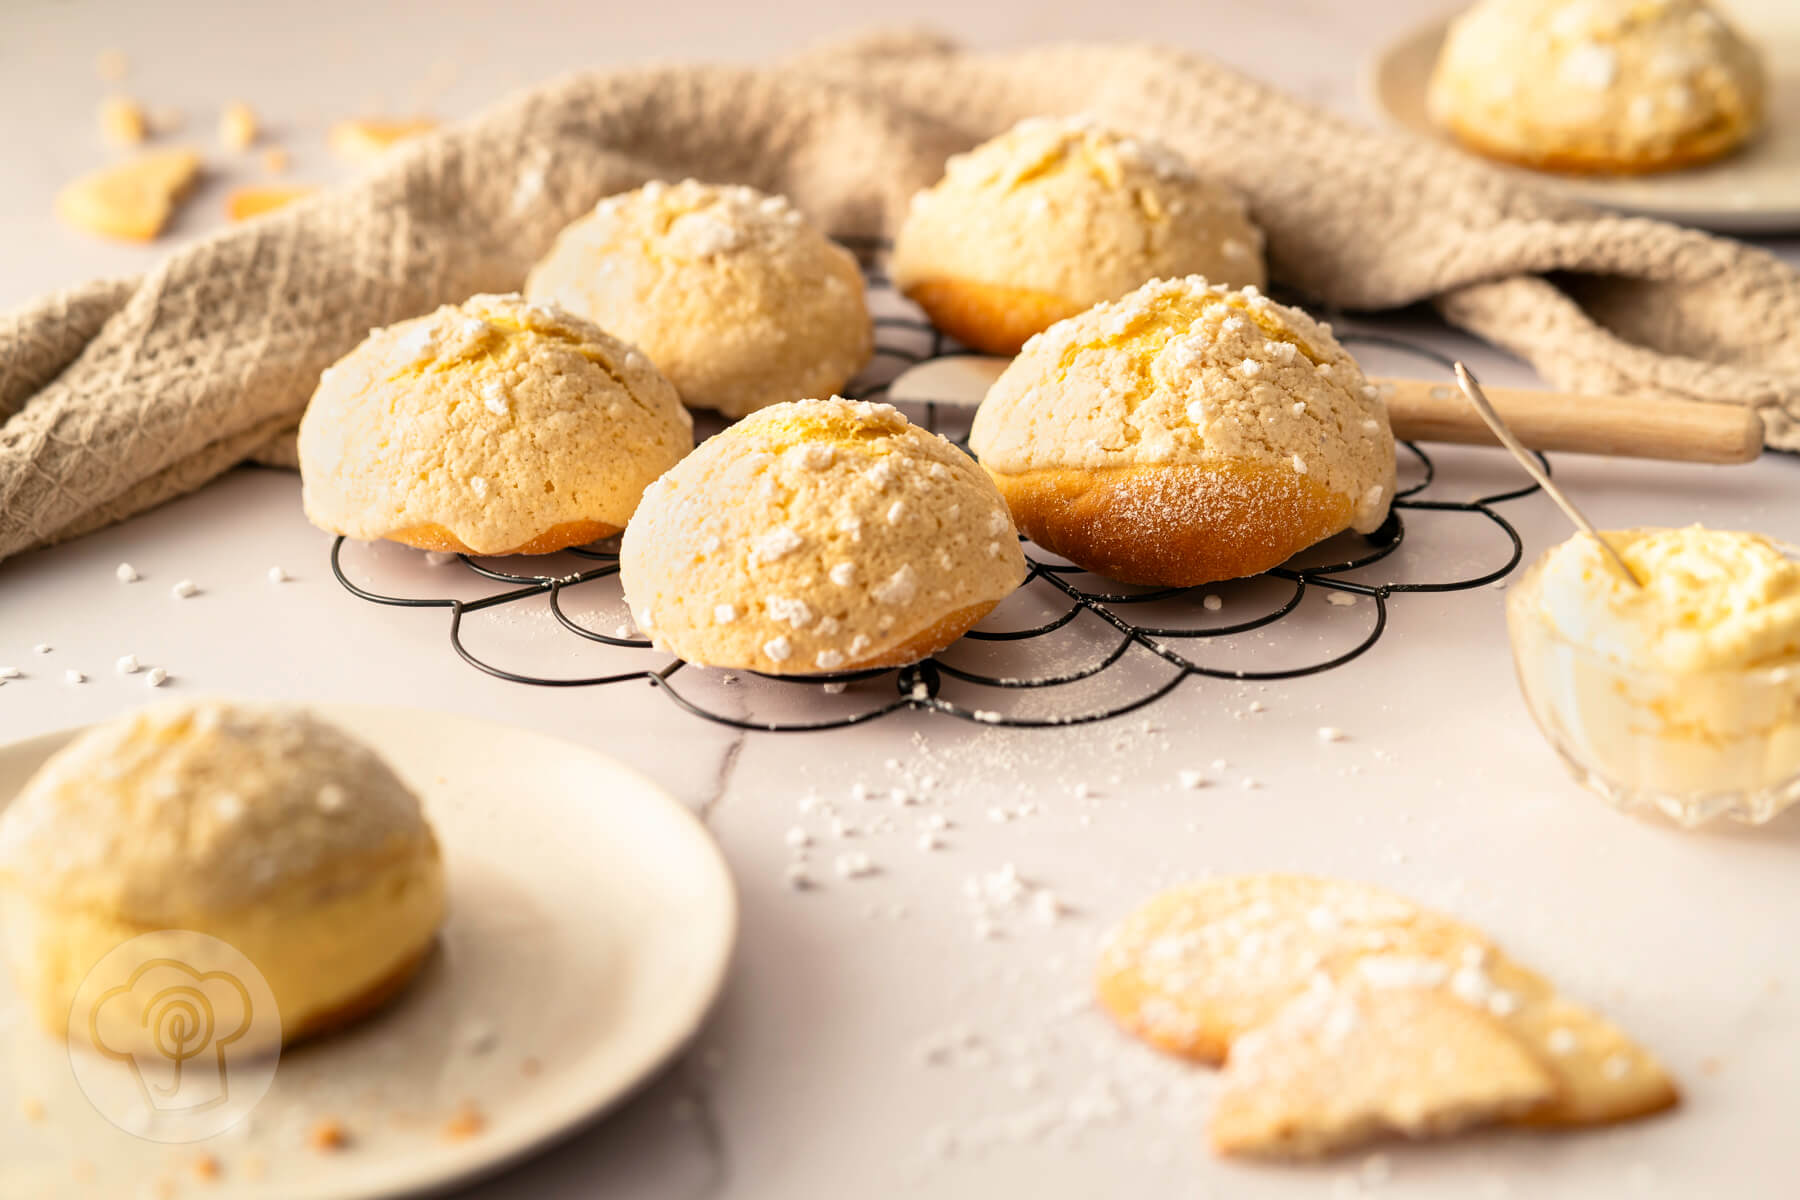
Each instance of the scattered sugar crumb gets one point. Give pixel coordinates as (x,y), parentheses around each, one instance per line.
(73,676)
(156,677)
(127,664)
(854,865)
(278,575)
(126,573)
(184,588)
(1212,603)
(1341,599)
(10,672)
(1331,733)
(42,648)
(798,878)
(1190,778)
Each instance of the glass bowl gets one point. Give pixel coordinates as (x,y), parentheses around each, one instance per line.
(1692,745)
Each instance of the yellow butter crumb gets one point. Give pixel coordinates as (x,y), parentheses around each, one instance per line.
(122,121)
(246,202)
(365,139)
(237,126)
(132,200)
(275,160)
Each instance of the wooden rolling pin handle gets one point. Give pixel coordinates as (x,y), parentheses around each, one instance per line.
(1676,430)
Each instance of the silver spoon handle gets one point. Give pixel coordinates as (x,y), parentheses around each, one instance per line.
(1473,391)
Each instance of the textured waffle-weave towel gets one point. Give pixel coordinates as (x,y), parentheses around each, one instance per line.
(120,394)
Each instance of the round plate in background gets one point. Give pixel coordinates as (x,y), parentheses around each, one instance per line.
(1755,191)
(591,922)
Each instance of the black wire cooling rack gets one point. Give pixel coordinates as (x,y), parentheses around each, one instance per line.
(1052,655)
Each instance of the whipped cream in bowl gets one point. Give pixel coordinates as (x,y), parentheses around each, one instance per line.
(1679,694)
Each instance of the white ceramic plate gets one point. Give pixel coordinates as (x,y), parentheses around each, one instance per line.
(592,920)
(1754,191)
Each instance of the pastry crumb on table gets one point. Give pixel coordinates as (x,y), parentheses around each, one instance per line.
(328,1135)
(468,1121)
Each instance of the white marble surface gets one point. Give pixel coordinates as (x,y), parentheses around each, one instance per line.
(813,1077)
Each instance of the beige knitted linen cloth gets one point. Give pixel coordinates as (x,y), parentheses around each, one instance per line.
(121,394)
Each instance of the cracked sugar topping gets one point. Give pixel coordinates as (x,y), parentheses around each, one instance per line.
(444,421)
(865,532)
(1606,79)
(1187,371)
(691,219)
(696,274)
(1076,211)
(189,808)
(1037,145)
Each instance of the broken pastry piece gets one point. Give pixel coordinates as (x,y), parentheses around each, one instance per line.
(132,200)
(237,126)
(1341,1065)
(122,122)
(365,139)
(1250,969)
(246,202)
